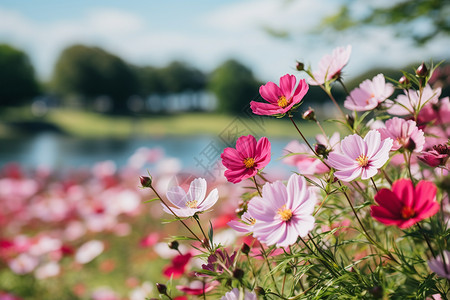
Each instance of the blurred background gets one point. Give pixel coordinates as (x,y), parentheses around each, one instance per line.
(95,93)
(82,81)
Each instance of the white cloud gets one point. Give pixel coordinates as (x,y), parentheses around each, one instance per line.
(230,30)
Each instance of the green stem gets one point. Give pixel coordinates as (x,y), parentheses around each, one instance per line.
(369,238)
(427,240)
(207,241)
(263,252)
(256,185)
(374,185)
(303,137)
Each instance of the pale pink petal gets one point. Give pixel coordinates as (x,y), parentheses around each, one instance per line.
(210,200)
(348,175)
(177,196)
(353,146)
(373,140)
(197,190)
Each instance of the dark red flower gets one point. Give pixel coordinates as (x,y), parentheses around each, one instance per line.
(178,266)
(197,287)
(405,205)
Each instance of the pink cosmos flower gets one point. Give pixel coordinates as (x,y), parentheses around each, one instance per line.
(192,202)
(411,101)
(405,134)
(281,98)
(245,225)
(405,205)
(235,294)
(369,94)
(248,157)
(330,66)
(438,156)
(439,266)
(283,213)
(360,157)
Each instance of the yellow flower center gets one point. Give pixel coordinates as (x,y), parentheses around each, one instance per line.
(368,99)
(192,204)
(285,213)
(408,212)
(249,162)
(362,160)
(251,221)
(282,102)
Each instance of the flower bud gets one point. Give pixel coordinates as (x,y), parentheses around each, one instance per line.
(377,292)
(238,273)
(309,114)
(410,145)
(173,245)
(403,81)
(422,70)
(300,66)
(146,181)
(162,288)
(259,291)
(245,249)
(350,120)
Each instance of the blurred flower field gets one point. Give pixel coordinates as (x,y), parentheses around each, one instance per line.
(87,233)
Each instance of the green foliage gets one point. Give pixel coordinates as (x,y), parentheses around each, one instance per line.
(403,15)
(234,85)
(176,77)
(17,79)
(92,72)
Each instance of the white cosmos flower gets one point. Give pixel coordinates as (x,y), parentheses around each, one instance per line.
(187,204)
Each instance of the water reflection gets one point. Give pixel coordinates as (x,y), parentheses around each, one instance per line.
(59,151)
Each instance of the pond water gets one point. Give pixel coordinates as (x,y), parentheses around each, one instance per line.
(59,151)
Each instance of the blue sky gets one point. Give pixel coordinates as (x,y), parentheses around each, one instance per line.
(203,33)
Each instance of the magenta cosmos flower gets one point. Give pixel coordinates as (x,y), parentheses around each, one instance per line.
(330,66)
(283,213)
(369,94)
(248,157)
(360,157)
(405,205)
(405,134)
(281,98)
(192,202)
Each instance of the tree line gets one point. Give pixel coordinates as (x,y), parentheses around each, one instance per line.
(85,73)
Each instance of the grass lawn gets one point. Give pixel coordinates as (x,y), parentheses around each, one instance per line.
(90,125)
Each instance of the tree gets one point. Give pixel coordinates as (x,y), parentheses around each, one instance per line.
(178,77)
(234,85)
(17,79)
(430,16)
(150,81)
(93,72)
